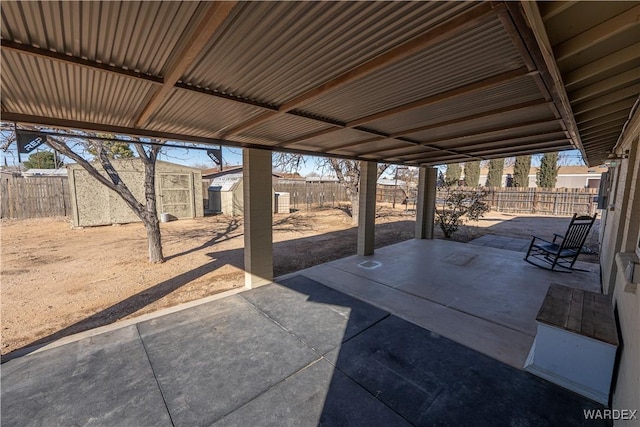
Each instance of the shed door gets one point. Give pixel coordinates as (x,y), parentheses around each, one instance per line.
(176,195)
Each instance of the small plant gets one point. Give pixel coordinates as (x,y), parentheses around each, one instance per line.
(456,203)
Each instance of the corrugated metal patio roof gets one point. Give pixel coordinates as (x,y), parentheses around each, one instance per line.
(418,83)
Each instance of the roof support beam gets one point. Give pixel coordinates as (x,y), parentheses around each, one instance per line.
(507,150)
(527,19)
(553,8)
(605,85)
(598,34)
(212,19)
(464,90)
(511,142)
(464,119)
(85,63)
(621,57)
(505,143)
(355,143)
(606,114)
(612,123)
(601,102)
(612,135)
(487,132)
(444,96)
(454,26)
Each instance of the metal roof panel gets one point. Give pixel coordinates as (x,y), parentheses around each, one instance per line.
(271,51)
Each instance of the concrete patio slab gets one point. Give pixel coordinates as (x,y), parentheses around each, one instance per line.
(254,358)
(214,358)
(434,381)
(102,380)
(317,395)
(488,296)
(330,317)
(502,242)
(500,342)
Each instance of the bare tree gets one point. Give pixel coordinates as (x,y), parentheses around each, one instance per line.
(147,212)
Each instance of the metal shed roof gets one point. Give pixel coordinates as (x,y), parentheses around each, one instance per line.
(418,83)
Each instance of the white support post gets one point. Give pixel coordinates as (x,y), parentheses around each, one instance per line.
(426,203)
(367,207)
(258,239)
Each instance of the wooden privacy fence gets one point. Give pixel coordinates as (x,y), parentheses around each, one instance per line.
(545,201)
(38,197)
(33,197)
(309,195)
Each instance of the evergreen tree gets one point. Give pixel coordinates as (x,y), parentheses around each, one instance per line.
(494,177)
(521,171)
(472,173)
(42,160)
(113,149)
(548,172)
(454,171)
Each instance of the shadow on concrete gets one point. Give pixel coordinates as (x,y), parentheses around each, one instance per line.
(343,243)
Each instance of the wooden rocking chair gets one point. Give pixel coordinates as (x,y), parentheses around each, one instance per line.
(562,252)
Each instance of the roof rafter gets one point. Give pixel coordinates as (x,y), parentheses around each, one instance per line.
(460,91)
(505,143)
(453,93)
(211,20)
(598,34)
(606,114)
(553,8)
(488,132)
(85,63)
(605,85)
(454,26)
(616,59)
(498,111)
(605,100)
(526,18)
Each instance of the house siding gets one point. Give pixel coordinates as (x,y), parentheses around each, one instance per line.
(621,222)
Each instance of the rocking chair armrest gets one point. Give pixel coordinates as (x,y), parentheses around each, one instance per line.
(556,235)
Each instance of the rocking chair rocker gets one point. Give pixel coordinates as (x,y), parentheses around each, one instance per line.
(562,252)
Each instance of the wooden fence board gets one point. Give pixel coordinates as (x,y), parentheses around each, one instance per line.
(34,197)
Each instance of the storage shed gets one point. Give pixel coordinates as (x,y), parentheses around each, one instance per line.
(226,193)
(178,192)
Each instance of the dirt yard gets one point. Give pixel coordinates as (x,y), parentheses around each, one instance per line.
(57,281)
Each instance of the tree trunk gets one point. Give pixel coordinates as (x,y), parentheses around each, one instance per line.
(155,239)
(355,207)
(150,216)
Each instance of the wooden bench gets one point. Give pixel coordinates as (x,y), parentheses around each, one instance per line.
(576,342)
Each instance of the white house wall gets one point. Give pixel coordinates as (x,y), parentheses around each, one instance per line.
(621,222)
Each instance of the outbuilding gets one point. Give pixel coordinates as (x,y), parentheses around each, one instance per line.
(226,193)
(178,193)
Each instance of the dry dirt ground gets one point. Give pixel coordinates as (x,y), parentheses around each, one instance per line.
(57,281)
